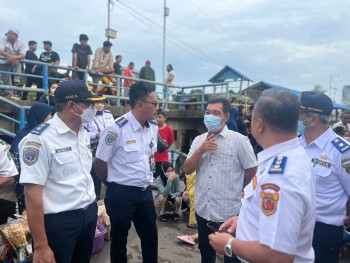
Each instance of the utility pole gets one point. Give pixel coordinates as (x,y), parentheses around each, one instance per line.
(331,77)
(166,13)
(109,16)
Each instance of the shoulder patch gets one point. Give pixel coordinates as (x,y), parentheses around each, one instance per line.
(121,121)
(278,165)
(341,145)
(153,122)
(40,128)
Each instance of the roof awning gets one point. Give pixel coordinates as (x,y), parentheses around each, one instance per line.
(228,73)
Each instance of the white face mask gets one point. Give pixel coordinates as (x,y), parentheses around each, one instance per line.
(88,114)
(52,90)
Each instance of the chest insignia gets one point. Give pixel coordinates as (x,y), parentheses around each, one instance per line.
(341,145)
(40,128)
(66,149)
(269,199)
(321,162)
(278,165)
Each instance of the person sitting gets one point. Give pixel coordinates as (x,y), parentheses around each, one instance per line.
(49,98)
(169,195)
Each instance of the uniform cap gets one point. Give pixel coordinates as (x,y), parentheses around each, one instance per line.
(315,102)
(76,90)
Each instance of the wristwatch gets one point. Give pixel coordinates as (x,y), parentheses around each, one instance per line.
(228,249)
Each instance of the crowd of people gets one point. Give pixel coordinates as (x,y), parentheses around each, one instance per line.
(103,69)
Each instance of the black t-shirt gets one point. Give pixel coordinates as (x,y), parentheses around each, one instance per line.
(30,55)
(49,57)
(82,54)
(117,68)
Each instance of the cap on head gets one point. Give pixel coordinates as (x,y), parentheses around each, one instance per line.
(315,102)
(107,44)
(76,90)
(83,37)
(46,42)
(14,30)
(148,62)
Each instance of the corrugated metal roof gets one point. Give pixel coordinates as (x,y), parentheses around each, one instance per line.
(228,73)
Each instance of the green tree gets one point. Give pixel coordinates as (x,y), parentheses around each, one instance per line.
(318,88)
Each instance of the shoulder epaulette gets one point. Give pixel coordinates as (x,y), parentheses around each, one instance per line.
(40,128)
(2,142)
(278,165)
(153,122)
(121,121)
(341,145)
(106,111)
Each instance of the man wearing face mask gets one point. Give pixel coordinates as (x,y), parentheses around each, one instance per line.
(225,163)
(103,119)
(330,158)
(56,160)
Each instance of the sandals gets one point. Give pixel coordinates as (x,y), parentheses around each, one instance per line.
(186,239)
(176,217)
(163,218)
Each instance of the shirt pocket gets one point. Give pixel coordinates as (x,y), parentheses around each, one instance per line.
(65,166)
(323,178)
(132,152)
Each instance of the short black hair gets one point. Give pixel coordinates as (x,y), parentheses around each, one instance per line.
(339,130)
(60,106)
(226,106)
(139,91)
(32,42)
(279,109)
(46,42)
(83,37)
(117,56)
(160,111)
(131,63)
(107,44)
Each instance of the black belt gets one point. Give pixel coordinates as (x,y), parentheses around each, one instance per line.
(127,187)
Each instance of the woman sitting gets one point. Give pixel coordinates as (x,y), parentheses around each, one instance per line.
(169,196)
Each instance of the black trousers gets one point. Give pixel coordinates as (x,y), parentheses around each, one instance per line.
(208,254)
(29,82)
(7,209)
(71,234)
(327,242)
(125,204)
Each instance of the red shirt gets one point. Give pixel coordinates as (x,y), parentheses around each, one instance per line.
(167,135)
(127,73)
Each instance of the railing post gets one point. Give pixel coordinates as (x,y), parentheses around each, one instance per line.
(21,118)
(203,101)
(182,106)
(85,75)
(166,96)
(45,78)
(119,90)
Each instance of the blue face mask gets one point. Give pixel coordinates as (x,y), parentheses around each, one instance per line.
(213,123)
(302,126)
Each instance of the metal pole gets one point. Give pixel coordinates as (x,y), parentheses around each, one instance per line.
(109,11)
(164,31)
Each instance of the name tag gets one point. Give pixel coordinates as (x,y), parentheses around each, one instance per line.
(66,149)
(130,142)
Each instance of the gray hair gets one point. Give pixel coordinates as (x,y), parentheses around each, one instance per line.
(323,118)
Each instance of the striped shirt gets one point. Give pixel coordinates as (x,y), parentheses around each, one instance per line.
(220,175)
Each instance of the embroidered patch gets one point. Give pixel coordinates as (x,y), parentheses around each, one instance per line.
(121,121)
(320,162)
(31,143)
(113,133)
(346,167)
(345,160)
(269,200)
(130,142)
(66,149)
(40,128)
(110,139)
(278,165)
(30,155)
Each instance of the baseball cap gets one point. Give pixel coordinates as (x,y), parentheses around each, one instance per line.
(76,90)
(315,102)
(148,62)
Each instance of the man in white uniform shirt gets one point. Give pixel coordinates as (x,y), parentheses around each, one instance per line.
(277,217)
(7,192)
(224,162)
(125,163)
(56,160)
(344,121)
(329,156)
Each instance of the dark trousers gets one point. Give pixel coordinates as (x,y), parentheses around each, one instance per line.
(71,234)
(327,242)
(208,254)
(125,204)
(7,209)
(30,81)
(78,75)
(97,182)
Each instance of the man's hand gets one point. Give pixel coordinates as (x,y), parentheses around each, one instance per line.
(43,255)
(11,59)
(98,134)
(209,144)
(33,69)
(230,225)
(218,241)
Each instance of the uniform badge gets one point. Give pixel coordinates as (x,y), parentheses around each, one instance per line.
(346,167)
(269,199)
(30,155)
(110,139)
(40,128)
(278,165)
(323,156)
(255,182)
(341,145)
(321,162)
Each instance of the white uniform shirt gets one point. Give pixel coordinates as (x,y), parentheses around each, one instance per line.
(332,174)
(18,48)
(127,151)
(278,209)
(340,123)
(100,122)
(220,175)
(61,161)
(7,169)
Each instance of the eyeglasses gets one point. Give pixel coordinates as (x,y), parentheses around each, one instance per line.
(154,104)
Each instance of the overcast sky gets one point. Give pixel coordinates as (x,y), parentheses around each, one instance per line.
(295,44)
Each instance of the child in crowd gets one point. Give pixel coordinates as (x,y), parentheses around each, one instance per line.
(169,195)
